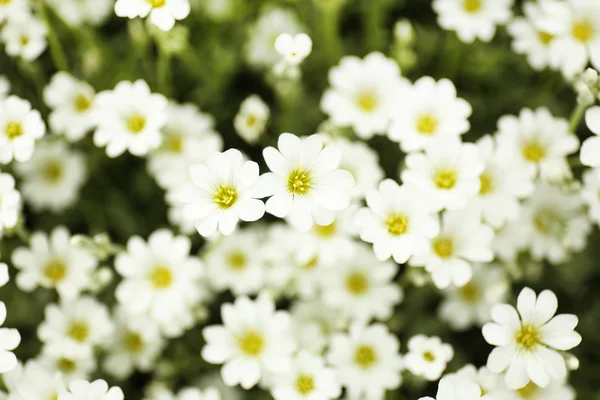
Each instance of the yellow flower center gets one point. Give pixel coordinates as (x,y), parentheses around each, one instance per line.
(157,3)
(78,331)
(545,37)
(133,342)
(161,277)
(5,2)
(24,39)
(529,391)
(445,178)
(397,224)
(82,102)
(367,101)
(469,293)
(429,356)
(14,130)
(174,142)
(299,181)
(305,384)
(357,283)
(225,196)
(365,356)
(547,222)
(472,6)
(55,271)
(237,261)
(136,123)
(443,247)
(533,151)
(66,365)
(528,337)
(53,171)
(326,231)
(427,124)
(583,30)
(251,343)
(487,184)
(251,120)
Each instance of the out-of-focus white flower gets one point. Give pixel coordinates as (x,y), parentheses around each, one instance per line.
(590,148)
(293,48)
(362,162)
(162,13)
(590,193)
(77,13)
(69,360)
(9,340)
(9,9)
(10,202)
(20,127)
(428,356)
(33,381)
(252,118)
(464,390)
(490,383)
(96,390)
(24,36)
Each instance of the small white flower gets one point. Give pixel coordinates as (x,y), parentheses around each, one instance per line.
(590,148)
(10,202)
(9,340)
(293,48)
(251,120)
(473,19)
(163,13)
(428,356)
(397,221)
(77,13)
(462,240)
(447,172)
(362,162)
(490,383)
(362,94)
(53,177)
(253,340)
(590,193)
(24,36)
(129,117)
(72,104)
(222,191)
(97,390)
(68,359)
(305,183)
(20,127)
(426,112)
(465,390)
(160,280)
(52,261)
(367,361)
(33,381)
(528,340)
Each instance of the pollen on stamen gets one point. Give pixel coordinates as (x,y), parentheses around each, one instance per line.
(299,182)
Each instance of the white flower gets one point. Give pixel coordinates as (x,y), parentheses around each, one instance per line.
(20,127)
(490,383)
(10,202)
(97,390)
(473,19)
(397,221)
(52,261)
(536,139)
(305,183)
(33,381)
(53,177)
(82,323)
(448,173)
(9,9)
(362,94)
(188,138)
(293,48)
(362,162)
(362,288)
(160,280)
(135,343)
(77,13)
(428,356)
(367,361)
(313,323)
(590,148)
(9,340)
(129,118)
(308,378)
(503,184)
(24,36)
(465,390)
(4,278)
(528,341)
(253,340)
(556,390)
(510,240)
(72,104)
(427,111)
(251,120)
(462,240)
(222,191)
(68,359)
(590,194)
(163,13)
(471,304)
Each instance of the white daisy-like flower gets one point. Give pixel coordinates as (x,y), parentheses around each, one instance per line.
(222,191)
(96,390)
(162,13)
(503,184)
(473,19)
(447,172)
(314,322)
(463,239)
(10,202)
(537,139)
(188,138)
(53,177)
(9,340)
(72,104)
(427,111)
(367,361)
(83,323)
(590,193)
(362,162)
(308,378)
(135,344)
(362,288)
(253,340)
(293,48)
(20,127)
(528,341)
(305,183)
(471,304)
(398,221)
(68,359)
(160,280)
(24,36)
(464,390)
(590,148)
(33,381)
(129,117)
(428,356)
(252,118)
(77,13)
(490,383)
(362,93)
(52,261)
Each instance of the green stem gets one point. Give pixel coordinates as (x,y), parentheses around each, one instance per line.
(577,116)
(56,50)
(372,22)
(332,46)
(163,72)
